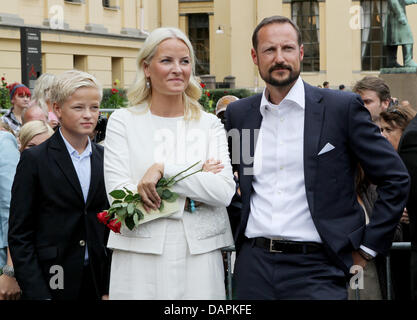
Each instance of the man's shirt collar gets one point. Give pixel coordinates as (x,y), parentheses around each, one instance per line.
(296,95)
(86,153)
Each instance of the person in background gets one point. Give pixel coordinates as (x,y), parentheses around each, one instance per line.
(393,123)
(9,157)
(326,84)
(20,98)
(375,94)
(99,133)
(407,148)
(57,192)
(42,96)
(342,87)
(33,112)
(222,104)
(34,133)
(5,127)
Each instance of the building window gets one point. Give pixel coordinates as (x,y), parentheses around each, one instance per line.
(117,73)
(198,32)
(80,62)
(305,13)
(373,16)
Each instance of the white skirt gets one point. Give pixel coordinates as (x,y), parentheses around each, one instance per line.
(174,275)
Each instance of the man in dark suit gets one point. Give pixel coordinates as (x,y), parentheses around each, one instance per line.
(408,152)
(57,245)
(301,227)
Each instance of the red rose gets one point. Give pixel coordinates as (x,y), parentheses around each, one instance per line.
(103,217)
(2,79)
(113,91)
(208,94)
(202,85)
(114,225)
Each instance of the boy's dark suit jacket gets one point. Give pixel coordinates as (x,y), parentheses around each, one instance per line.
(50,223)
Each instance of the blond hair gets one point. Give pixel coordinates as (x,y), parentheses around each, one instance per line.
(42,90)
(32,129)
(139,93)
(68,82)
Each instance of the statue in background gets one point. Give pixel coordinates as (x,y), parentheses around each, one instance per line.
(397,32)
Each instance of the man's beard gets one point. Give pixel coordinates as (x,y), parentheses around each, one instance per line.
(292,77)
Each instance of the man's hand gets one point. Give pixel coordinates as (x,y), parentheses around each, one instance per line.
(404,218)
(358,260)
(9,289)
(105,297)
(147,187)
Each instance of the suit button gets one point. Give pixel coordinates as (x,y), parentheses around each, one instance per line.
(82,243)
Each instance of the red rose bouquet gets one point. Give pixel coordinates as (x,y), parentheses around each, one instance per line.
(125,208)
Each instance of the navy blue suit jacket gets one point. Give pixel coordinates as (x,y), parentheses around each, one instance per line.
(341,119)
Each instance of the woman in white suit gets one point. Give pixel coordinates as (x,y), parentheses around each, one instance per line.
(163,132)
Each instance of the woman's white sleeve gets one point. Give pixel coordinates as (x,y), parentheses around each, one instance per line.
(213,189)
(116,156)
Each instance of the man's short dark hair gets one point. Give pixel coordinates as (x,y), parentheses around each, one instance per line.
(272,20)
(374,84)
(325,83)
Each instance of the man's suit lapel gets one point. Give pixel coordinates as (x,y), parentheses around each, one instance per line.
(252,121)
(64,162)
(96,172)
(313,124)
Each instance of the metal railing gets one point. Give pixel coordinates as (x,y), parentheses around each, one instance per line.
(395,246)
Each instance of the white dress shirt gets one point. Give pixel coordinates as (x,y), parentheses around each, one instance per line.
(279,206)
(82,165)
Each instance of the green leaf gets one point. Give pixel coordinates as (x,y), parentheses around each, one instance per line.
(136,219)
(162,182)
(129,198)
(128,191)
(130,223)
(139,213)
(159,190)
(130,208)
(137,197)
(116,202)
(166,194)
(161,207)
(173,197)
(121,212)
(118,194)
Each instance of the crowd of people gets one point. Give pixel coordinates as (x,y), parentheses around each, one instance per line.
(306,182)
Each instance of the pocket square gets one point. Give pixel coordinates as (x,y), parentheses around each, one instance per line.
(328,147)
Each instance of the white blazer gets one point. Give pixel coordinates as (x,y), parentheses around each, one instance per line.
(133,144)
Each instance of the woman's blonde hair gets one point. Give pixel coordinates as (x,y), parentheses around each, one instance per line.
(32,129)
(139,93)
(66,83)
(42,90)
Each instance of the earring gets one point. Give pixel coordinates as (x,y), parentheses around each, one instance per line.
(148,84)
